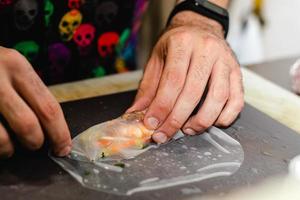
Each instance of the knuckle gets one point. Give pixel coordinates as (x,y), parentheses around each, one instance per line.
(36,143)
(202,124)
(28,128)
(175,123)
(9,53)
(174,79)
(50,110)
(240,105)
(162,106)
(237,71)
(5,96)
(220,94)
(13,60)
(224,122)
(236,65)
(142,91)
(201,72)
(63,139)
(180,36)
(27,124)
(211,42)
(13,54)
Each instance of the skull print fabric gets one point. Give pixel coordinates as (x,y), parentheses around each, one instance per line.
(67,40)
(25,12)
(69,23)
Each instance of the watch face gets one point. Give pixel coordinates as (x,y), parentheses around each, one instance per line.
(211,6)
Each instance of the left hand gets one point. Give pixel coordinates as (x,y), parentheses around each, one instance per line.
(191,55)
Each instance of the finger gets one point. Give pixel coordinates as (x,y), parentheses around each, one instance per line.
(235,102)
(217,96)
(148,86)
(190,96)
(47,109)
(170,86)
(20,117)
(6,146)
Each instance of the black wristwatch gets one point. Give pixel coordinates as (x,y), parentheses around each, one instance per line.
(205,8)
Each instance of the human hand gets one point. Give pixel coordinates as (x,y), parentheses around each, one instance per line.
(191,55)
(29,108)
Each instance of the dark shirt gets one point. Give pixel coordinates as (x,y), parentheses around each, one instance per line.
(67,40)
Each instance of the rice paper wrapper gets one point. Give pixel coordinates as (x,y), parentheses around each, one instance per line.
(121,138)
(139,165)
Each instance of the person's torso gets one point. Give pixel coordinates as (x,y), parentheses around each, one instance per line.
(68,40)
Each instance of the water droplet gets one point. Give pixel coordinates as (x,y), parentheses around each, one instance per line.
(207,153)
(127,165)
(165,154)
(254,170)
(189,191)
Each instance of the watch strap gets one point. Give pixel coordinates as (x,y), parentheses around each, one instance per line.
(205,8)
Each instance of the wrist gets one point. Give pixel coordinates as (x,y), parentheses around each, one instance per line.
(190,18)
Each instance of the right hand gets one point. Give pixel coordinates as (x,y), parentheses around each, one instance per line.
(29,108)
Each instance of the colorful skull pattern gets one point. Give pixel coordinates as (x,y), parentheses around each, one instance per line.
(25,12)
(48,11)
(84,35)
(59,56)
(107,43)
(68,24)
(106,12)
(29,49)
(4,3)
(98,34)
(74,4)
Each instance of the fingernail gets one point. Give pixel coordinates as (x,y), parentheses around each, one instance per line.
(129,110)
(189,131)
(152,123)
(159,137)
(65,151)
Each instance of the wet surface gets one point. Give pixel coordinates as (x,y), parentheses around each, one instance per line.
(268,148)
(179,162)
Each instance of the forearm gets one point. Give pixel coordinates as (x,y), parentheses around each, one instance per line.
(222,3)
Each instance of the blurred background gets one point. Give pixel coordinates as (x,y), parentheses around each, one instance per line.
(261,30)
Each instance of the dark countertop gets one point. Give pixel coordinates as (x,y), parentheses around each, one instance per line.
(267,144)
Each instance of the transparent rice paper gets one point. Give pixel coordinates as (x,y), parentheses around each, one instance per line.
(183,160)
(121,138)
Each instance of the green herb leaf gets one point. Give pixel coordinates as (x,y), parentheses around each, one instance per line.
(102,155)
(87,173)
(122,165)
